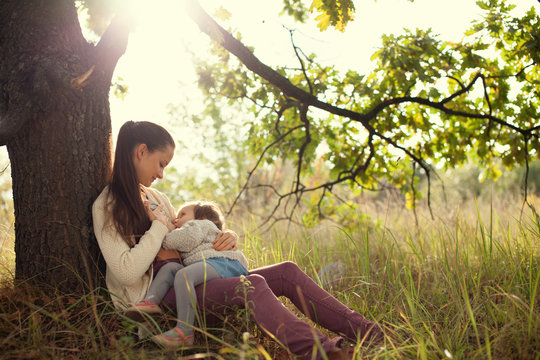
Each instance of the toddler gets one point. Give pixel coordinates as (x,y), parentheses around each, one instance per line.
(196,227)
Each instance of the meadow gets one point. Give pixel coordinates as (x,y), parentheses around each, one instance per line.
(463,284)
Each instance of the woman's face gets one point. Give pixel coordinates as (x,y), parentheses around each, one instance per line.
(150,165)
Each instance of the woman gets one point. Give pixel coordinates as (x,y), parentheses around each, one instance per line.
(130,236)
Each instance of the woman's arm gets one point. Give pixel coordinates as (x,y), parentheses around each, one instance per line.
(226,240)
(126,264)
(159,214)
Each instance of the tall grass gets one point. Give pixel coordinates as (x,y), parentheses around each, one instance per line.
(464,285)
(7,251)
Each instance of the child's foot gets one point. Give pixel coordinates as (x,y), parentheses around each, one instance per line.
(137,311)
(173,339)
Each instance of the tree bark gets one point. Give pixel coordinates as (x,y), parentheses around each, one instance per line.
(55,121)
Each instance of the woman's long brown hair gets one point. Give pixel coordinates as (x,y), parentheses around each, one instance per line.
(127,209)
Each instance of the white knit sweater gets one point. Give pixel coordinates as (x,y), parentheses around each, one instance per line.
(129,270)
(194,241)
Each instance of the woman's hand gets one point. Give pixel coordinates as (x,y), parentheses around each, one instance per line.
(158,214)
(227,240)
(150,213)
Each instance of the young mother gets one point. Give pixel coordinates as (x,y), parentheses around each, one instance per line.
(130,237)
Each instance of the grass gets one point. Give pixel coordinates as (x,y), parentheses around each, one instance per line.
(7,249)
(462,286)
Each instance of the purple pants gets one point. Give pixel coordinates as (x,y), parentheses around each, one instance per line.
(284,279)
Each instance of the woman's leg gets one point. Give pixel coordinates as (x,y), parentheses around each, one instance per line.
(219,296)
(222,295)
(287,279)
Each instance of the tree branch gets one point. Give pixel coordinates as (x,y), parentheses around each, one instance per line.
(257,165)
(306,99)
(295,48)
(307,140)
(280,112)
(235,47)
(111,47)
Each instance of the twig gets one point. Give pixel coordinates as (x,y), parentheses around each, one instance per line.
(257,165)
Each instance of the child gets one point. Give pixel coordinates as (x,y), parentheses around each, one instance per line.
(196,227)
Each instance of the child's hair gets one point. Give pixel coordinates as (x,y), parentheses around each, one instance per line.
(209,211)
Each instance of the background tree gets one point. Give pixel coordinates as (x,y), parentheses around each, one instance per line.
(55,122)
(429,103)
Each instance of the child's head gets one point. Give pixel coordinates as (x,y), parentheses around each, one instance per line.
(199,210)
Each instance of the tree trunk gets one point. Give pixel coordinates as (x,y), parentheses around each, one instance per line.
(57,128)
(58,167)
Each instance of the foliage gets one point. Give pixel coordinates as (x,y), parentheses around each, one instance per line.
(329,12)
(7,238)
(428,104)
(334,13)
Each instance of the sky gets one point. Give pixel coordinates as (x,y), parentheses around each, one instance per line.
(157,66)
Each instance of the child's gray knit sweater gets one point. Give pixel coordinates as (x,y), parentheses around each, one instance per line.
(194,241)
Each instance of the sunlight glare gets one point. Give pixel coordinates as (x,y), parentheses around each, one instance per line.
(155,61)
